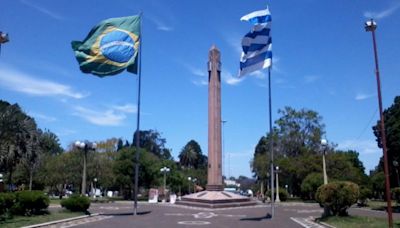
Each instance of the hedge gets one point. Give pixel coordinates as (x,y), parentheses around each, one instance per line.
(338,196)
(76,203)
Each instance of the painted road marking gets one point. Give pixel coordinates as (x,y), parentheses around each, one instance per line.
(307,222)
(204,215)
(196,223)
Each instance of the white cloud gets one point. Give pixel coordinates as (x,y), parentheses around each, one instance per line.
(107,117)
(200,82)
(361,146)
(160,24)
(127,108)
(229,79)
(363,96)
(31,85)
(258,74)
(43,117)
(382,14)
(42,9)
(310,79)
(65,132)
(196,71)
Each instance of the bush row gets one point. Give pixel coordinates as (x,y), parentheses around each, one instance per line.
(23,203)
(76,203)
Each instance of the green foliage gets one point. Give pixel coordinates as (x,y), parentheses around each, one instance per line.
(365,194)
(191,156)
(30,202)
(7,200)
(283,194)
(378,184)
(392,125)
(310,185)
(76,203)
(152,142)
(396,194)
(338,196)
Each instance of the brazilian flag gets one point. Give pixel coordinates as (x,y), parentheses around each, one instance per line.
(111,47)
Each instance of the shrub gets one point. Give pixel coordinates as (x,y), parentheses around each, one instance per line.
(7,200)
(338,196)
(76,203)
(30,202)
(283,194)
(396,194)
(310,185)
(365,194)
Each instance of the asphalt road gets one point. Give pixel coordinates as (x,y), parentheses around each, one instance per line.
(166,215)
(120,214)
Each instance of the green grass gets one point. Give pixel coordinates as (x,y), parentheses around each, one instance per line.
(55,201)
(358,222)
(18,221)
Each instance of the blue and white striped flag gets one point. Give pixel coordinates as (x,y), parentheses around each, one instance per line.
(257,44)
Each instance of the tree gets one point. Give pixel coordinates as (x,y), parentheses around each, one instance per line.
(151,141)
(124,167)
(191,156)
(391,116)
(310,184)
(16,128)
(299,131)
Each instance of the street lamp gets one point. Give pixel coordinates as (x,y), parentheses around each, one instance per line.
(1,183)
(95,189)
(324,145)
(194,184)
(370,26)
(189,179)
(85,146)
(277,185)
(164,170)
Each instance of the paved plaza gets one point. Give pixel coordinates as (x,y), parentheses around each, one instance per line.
(120,214)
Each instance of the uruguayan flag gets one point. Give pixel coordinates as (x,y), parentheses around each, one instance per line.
(257,44)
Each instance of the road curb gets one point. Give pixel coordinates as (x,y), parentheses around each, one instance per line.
(61,221)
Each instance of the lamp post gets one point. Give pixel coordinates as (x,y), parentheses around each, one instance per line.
(164,170)
(194,184)
(95,189)
(370,26)
(1,183)
(190,181)
(324,144)
(85,146)
(286,187)
(277,185)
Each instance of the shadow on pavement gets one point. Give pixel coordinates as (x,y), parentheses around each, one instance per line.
(268,216)
(125,214)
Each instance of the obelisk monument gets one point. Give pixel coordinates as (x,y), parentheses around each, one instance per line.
(214,172)
(214,196)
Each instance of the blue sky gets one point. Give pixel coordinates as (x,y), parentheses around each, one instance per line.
(323,61)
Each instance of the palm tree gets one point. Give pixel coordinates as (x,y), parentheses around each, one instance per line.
(191,155)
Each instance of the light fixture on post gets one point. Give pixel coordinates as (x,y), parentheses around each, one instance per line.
(190,181)
(370,26)
(277,185)
(164,170)
(324,145)
(85,146)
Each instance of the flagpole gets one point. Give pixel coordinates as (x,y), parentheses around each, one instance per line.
(137,133)
(271,145)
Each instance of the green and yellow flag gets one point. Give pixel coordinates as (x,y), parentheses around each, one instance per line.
(111,47)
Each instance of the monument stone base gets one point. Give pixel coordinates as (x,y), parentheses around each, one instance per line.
(215,199)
